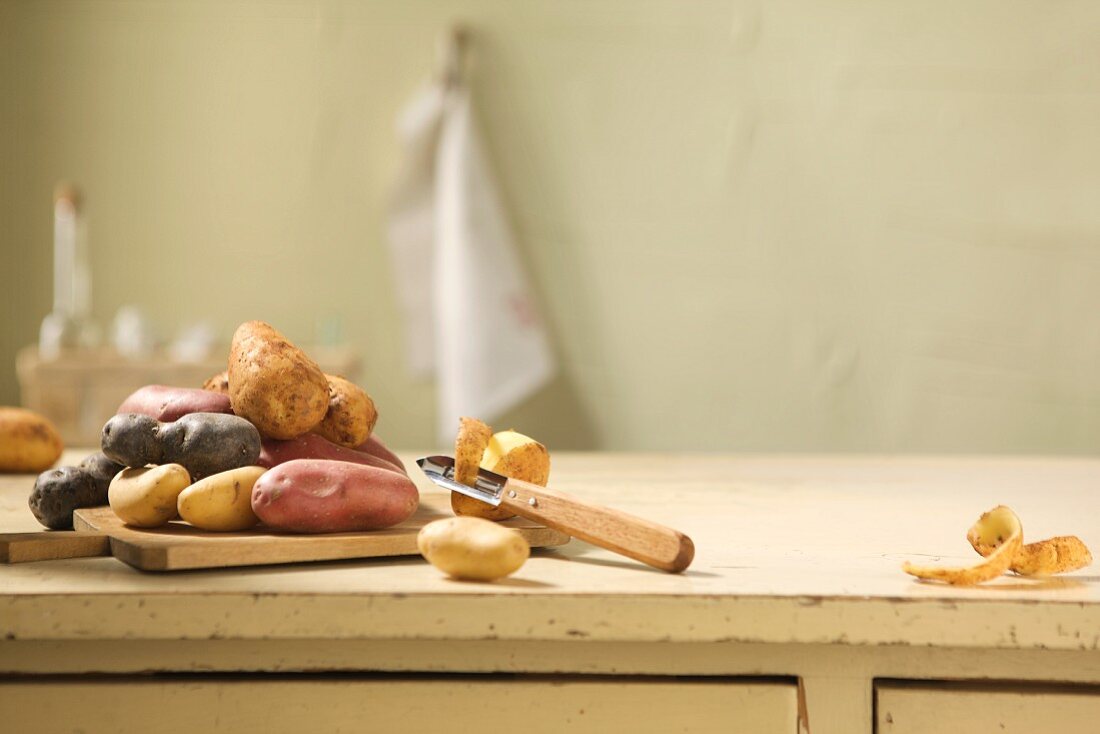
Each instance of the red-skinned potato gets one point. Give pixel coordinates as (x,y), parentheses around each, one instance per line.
(312,446)
(318,496)
(375,447)
(167,403)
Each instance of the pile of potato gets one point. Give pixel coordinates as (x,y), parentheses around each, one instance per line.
(274,440)
(271,439)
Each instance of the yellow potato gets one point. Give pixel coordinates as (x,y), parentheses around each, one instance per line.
(515,456)
(274,384)
(29,442)
(221,502)
(146,497)
(472,548)
(351,414)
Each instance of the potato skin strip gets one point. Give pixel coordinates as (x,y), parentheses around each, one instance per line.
(473,437)
(1000,527)
(1060,554)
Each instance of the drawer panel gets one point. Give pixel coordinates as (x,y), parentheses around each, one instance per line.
(465,703)
(939,708)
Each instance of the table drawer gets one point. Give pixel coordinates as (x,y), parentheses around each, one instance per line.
(1009,708)
(353,703)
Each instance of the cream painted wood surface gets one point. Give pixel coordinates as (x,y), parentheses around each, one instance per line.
(797,573)
(1005,708)
(788,550)
(547,705)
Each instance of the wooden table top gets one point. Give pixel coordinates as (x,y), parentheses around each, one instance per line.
(789,549)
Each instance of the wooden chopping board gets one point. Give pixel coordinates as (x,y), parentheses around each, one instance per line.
(179,546)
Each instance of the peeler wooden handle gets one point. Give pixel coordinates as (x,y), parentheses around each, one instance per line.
(652,544)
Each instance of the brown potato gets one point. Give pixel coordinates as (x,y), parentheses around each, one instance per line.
(473,437)
(515,456)
(351,414)
(218,383)
(1060,554)
(29,442)
(274,384)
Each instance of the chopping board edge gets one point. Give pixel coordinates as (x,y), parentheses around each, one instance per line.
(148,551)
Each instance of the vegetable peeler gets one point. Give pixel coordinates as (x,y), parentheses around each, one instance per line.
(652,544)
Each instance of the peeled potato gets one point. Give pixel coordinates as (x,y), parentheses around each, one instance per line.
(351,414)
(274,384)
(518,457)
(472,548)
(29,442)
(515,456)
(999,527)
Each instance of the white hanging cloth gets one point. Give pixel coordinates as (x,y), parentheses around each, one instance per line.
(470,317)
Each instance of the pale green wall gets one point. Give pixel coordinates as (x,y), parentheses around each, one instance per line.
(24,264)
(808,225)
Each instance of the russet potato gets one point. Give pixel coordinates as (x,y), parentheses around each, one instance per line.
(351,414)
(218,383)
(274,384)
(473,437)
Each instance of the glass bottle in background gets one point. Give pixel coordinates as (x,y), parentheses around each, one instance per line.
(69,325)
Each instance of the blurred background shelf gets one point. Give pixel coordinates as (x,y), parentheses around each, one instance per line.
(81,389)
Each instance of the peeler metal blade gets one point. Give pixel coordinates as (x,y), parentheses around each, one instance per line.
(441,470)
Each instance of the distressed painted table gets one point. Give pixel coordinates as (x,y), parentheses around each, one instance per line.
(794,617)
